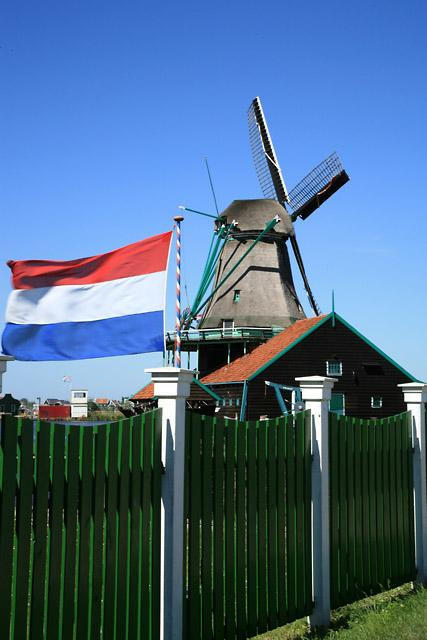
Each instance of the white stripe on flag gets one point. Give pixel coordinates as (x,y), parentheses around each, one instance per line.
(84,303)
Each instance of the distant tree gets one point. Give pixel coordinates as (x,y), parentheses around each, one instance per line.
(92,406)
(25,402)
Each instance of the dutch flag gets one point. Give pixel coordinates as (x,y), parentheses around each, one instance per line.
(106,305)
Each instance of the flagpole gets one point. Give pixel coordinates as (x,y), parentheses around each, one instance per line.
(178,220)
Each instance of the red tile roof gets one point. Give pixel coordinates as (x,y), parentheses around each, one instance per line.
(242,368)
(197,392)
(145,393)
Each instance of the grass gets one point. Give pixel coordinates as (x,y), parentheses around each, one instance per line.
(400,614)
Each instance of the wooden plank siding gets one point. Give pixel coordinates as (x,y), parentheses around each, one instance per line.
(309,357)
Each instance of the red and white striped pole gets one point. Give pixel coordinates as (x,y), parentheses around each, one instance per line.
(178,220)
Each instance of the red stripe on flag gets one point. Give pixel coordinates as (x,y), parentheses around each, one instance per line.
(146,256)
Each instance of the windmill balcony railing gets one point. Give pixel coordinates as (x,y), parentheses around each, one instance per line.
(233,333)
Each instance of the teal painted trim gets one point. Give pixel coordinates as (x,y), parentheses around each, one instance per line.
(201,213)
(377,349)
(244,401)
(288,348)
(280,400)
(333,308)
(207,390)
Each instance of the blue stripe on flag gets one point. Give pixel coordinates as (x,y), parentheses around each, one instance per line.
(139,333)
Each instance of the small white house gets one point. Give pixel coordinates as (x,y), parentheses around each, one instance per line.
(78,401)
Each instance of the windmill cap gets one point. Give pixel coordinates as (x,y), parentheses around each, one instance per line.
(253,215)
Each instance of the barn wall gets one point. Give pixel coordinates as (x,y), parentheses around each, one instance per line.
(309,358)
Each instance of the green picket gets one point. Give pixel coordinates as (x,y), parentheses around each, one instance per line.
(194,537)
(147,470)
(365,541)
(98,532)
(281,522)
(206,541)
(38,599)
(230,510)
(56,530)
(241,532)
(291,542)
(271,429)
(218,529)
(343,511)
(24,529)
(123,523)
(334,507)
(156,510)
(86,452)
(262,527)
(9,434)
(135,522)
(394,516)
(71,514)
(305,418)
(299,431)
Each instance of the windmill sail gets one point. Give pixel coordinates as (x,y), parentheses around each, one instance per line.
(264,156)
(317,187)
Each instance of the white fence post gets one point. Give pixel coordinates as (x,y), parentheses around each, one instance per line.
(415,394)
(172,387)
(316,393)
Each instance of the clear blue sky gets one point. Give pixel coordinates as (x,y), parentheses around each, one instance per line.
(108,109)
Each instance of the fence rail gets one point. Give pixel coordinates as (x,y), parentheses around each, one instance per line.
(80,530)
(371,507)
(248,514)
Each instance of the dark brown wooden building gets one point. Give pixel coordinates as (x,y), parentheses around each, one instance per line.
(367,378)
(9,404)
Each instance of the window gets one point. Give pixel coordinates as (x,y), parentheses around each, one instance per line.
(334,368)
(376,402)
(337,404)
(236,296)
(80,394)
(227,327)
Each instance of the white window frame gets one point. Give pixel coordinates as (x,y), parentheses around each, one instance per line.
(375,406)
(335,362)
(228,331)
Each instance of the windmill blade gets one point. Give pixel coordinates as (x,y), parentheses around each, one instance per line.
(264,156)
(300,264)
(312,191)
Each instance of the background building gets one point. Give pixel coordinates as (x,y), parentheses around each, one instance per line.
(78,400)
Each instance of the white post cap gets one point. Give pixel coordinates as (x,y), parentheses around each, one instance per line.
(316,387)
(171,382)
(414,392)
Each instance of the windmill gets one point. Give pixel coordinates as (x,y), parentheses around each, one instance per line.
(247,293)
(306,196)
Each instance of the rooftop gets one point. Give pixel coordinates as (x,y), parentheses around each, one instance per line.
(244,367)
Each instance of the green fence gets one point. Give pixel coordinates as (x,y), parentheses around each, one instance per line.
(372,521)
(248,525)
(79,530)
